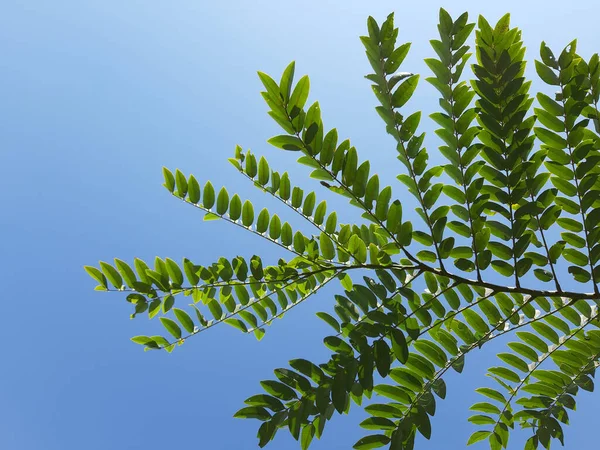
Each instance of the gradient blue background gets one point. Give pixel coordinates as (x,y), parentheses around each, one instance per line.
(95,97)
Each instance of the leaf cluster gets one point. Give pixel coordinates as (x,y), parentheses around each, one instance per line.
(515,203)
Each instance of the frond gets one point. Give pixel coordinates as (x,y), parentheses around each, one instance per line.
(521,199)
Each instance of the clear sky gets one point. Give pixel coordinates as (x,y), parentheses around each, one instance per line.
(95,97)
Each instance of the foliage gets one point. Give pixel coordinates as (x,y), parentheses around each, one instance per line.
(517,196)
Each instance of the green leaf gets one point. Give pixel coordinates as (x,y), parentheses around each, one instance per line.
(309,369)
(432,352)
(247,214)
(337,345)
(372,441)
(208,195)
(514,361)
(570,224)
(382,357)
(547,56)
(96,275)
(550,138)
(330,320)
(215,309)
(399,345)
(503,268)
(320,212)
(169,179)
(262,223)
(575,257)
(168,303)
(485,408)
(174,272)
(142,340)
(405,91)
(377,423)
(237,323)
(263,171)
(286,142)
(475,321)
(269,84)
(479,419)
(550,105)
(533,340)
(478,436)
(338,392)
(546,74)
(299,245)
(410,124)
(266,401)
(300,94)
(172,327)
(235,208)
(278,390)
(275,227)
(506,374)
(111,273)
(545,331)
(253,412)
(326,246)
(181,183)
(306,438)
(491,393)
(250,162)
(439,387)
(184,319)
(580,275)
(395,393)
(223,202)
(393,63)
(287,79)
(193,190)
(549,120)
(309,204)
(543,275)
(426,255)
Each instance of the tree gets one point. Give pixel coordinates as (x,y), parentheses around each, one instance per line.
(487,259)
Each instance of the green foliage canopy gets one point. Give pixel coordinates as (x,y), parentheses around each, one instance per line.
(518,195)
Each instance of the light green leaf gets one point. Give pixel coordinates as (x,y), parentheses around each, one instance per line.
(111,273)
(193,190)
(215,309)
(262,223)
(172,327)
(326,246)
(546,74)
(287,79)
(184,319)
(478,436)
(247,214)
(208,195)
(96,275)
(169,179)
(300,94)
(223,202)
(181,183)
(405,91)
(286,142)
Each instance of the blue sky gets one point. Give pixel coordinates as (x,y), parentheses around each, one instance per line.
(96,97)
